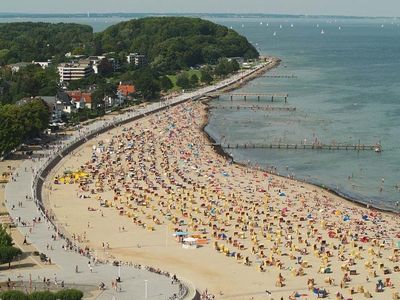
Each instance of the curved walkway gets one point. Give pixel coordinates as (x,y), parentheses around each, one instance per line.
(28,185)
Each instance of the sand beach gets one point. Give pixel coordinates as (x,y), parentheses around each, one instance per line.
(135,192)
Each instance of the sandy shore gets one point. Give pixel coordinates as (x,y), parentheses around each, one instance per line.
(159,175)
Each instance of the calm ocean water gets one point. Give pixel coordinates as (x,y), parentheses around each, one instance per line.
(347,89)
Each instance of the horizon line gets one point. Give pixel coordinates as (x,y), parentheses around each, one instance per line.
(194,13)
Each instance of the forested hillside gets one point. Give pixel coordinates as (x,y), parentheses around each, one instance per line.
(30,41)
(173,43)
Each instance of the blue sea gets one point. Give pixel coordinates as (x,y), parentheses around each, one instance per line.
(346,90)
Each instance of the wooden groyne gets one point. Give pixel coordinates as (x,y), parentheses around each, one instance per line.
(245,96)
(254,107)
(357,147)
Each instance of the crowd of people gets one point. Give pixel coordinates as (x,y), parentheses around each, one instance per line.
(166,172)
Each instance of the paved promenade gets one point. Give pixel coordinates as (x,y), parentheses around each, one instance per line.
(133,285)
(41,234)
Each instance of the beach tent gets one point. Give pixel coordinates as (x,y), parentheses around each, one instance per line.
(190,240)
(365,217)
(282,194)
(223,236)
(364,239)
(346,218)
(180,233)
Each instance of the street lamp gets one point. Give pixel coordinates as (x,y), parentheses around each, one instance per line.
(119,270)
(145,289)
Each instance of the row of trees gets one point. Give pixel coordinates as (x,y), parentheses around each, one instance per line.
(70,294)
(19,123)
(207,73)
(7,251)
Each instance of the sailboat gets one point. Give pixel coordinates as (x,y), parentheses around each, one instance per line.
(280,26)
(340,28)
(261,23)
(322,31)
(291,25)
(274,33)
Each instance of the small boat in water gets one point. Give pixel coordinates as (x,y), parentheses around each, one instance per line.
(322,31)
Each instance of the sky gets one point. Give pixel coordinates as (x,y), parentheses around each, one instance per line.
(388,8)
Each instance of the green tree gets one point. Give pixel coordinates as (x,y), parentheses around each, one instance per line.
(182,80)
(18,123)
(223,68)
(8,254)
(146,83)
(235,65)
(35,116)
(11,128)
(194,80)
(205,76)
(166,83)
(5,238)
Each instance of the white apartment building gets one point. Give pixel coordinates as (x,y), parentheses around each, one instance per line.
(74,71)
(136,59)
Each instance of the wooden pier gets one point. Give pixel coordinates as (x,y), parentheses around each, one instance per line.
(253,107)
(357,147)
(245,96)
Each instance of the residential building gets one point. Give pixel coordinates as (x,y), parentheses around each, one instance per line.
(136,59)
(43,64)
(17,66)
(74,71)
(126,89)
(239,59)
(81,99)
(64,100)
